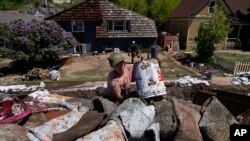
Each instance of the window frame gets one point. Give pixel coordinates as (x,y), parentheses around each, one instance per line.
(80,48)
(210,8)
(77,26)
(118,25)
(171,26)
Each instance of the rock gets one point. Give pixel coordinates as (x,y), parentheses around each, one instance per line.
(166,117)
(84,126)
(215,120)
(12,132)
(188,126)
(192,108)
(35,120)
(109,132)
(244,118)
(104,105)
(84,102)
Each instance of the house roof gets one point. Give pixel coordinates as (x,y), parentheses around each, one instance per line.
(240,9)
(103,11)
(7,17)
(44,10)
(187,8)
(88,11)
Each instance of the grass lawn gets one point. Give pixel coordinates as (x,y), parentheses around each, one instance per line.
(235,57)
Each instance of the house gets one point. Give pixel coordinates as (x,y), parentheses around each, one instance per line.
(100,24)
(186,18)
(43,12)
(9,16)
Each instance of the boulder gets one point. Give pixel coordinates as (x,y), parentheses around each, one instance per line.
(188,126)
(244,118)
(83,102)
(103,105)
(215,120)
(166,117)
(35,120)
(192,108)
(110,132)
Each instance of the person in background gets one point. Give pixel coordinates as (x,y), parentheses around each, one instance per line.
(119,79)
(134,50)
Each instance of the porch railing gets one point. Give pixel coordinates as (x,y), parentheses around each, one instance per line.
(233,43)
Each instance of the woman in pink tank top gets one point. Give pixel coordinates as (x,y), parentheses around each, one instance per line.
(119,79)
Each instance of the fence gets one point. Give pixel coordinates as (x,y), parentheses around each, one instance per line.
(241,67)
(232,66)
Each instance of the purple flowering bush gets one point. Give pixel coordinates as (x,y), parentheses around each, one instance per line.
(35,43)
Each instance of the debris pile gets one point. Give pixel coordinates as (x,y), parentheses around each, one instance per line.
(42,73)
(81,119)
(241,78)
(187,81)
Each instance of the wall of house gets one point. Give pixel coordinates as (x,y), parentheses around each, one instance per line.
(245,37)
(122,43)
(193,31)
(98,44)
(203,12)
(176,29)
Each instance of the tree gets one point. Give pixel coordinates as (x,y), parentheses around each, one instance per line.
(3,33)
(214,32)
(154,9)
(35,43)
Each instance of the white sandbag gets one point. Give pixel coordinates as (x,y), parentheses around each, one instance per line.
(39,94)
(45,131)
(137,122)
(130,105)
(155,127)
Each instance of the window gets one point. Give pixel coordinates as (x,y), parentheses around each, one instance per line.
(118,25)
(211,4)
(171,26)
(81,48)
(77,26)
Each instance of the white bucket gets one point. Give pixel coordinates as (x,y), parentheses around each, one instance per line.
(149,79)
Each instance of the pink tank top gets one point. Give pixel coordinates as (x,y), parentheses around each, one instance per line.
(124,80)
